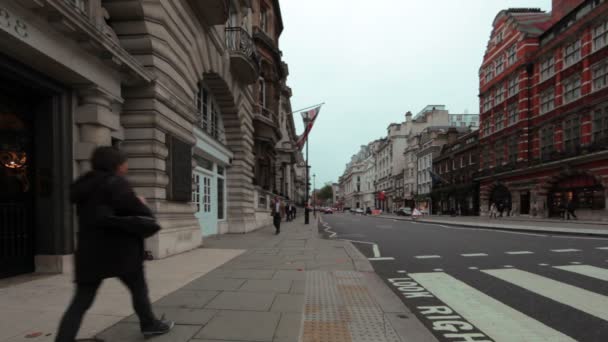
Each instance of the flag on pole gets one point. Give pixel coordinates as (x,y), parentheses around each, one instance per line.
(309,118)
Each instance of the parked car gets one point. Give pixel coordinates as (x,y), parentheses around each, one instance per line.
(328,211)
(359,211)
(404,211)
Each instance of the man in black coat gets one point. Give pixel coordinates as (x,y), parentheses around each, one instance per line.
(113,223)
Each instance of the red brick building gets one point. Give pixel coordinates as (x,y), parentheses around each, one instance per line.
(544,110)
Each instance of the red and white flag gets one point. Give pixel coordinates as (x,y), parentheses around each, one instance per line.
(312,116)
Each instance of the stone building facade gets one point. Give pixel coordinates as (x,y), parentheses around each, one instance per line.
(454,189)
(544,122)
(172,83)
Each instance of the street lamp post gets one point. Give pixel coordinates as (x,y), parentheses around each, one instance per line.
(314,196)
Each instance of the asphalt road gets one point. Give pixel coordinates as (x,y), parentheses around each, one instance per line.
(468,284)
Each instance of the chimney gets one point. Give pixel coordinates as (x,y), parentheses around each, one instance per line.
(561,8)
(452,135)
(408,116)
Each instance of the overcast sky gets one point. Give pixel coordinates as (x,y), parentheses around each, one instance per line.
(372,61)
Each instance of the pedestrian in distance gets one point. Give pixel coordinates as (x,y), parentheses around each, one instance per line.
(288,212)
(113,223)
(416,214)
(501,209)
(493,210)
(562,210)
(293,212)
(278,212)
(570,210)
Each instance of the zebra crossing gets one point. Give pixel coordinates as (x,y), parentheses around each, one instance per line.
(472,313)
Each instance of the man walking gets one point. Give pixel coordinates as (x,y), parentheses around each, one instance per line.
(113,223)
(288,211)
(278,211)
(570,210)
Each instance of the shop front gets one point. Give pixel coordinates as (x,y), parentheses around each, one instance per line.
(582,192)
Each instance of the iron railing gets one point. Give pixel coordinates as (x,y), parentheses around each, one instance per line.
(239,40)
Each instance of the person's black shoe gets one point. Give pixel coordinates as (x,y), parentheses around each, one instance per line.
(159,327)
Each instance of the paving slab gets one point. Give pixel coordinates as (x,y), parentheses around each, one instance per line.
(290,275)
(184,316)
(129,332)
(298,287)
(289,328)
(187,299)
(214,284)
(267,285)
(252,274)
(241,326)
(242,301)
(292,303)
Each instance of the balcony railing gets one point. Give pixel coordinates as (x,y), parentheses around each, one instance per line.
(237,39)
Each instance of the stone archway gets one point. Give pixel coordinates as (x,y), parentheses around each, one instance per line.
(167,106)
(239,139)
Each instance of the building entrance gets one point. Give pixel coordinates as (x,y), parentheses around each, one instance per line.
(35,169)
(16,197)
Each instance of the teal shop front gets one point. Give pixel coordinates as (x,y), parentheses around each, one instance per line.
(209,183)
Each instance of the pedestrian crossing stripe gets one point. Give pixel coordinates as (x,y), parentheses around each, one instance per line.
(589,271)
(580,299)
(497,320)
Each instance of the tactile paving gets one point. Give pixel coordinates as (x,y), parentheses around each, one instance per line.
(340,308)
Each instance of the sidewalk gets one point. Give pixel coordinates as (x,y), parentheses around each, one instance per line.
(32,305)
(291,287)
(516,223)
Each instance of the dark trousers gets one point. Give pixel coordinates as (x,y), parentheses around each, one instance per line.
(570,212)
(277,222)
(85,295)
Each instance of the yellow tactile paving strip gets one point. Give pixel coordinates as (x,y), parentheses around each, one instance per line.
(339,307)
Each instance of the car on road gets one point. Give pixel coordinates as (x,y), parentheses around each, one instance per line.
(404,211)
(327,211)
(359,211)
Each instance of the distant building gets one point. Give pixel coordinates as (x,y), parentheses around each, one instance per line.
(464,120)
(454,168)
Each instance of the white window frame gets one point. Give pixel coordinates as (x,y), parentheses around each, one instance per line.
(599,74)
(547,68)
(600,36)
(500,94)
(513,86)
(499,66)
(512,54)
(572,89)
(489,73)
(572,53)
(487,101)
(211,121)
(499,121)
(513,114)
(600,124)
(547,100)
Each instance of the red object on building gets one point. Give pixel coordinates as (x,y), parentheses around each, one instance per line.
(544,110)
(381,196)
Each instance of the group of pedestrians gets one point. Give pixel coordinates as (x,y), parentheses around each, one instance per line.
(281,210)
(566,210)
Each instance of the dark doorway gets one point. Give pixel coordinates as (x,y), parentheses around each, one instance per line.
(35,169)
(524,200)
(16,197)
(502,198)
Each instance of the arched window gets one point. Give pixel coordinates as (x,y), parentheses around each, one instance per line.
(209,115)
